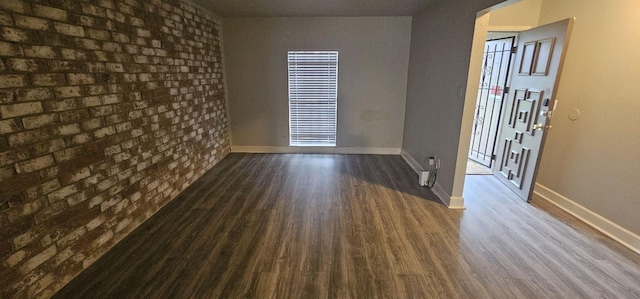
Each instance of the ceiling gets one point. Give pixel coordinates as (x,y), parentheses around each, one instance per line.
(313,8)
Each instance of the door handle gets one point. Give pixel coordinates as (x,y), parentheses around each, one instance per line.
(542,127)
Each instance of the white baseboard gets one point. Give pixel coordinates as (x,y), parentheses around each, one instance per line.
(456,203)
(315,150)
(411,161)
(446,199)
(614,231)
(452,202)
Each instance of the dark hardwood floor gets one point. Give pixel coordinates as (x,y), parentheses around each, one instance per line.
(354,226)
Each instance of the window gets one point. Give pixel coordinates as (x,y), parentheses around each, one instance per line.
(313,97)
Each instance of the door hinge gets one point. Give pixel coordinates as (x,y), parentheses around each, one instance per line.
(506,89)
(493,157)
(514,50)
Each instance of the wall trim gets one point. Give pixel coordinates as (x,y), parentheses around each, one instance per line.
(508,28)
(454,203)
(457,203)
(604,225)
(411,161)
(315,150)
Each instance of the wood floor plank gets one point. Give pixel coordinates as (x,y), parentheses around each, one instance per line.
(354,226)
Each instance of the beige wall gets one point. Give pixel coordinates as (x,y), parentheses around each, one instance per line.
(373,53)
(594,159)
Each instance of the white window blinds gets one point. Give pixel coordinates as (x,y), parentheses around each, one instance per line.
(313,94)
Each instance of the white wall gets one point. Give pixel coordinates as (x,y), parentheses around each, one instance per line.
(373,54)
(595,160)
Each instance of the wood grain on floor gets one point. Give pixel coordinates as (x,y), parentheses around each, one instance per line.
(354,226)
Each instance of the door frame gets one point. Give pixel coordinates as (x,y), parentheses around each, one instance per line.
(470,95)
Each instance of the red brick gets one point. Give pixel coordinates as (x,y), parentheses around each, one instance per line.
(104,238)
(111,47)
(103,132)
(12,81)
(40,52)
(74,54)
(28,137)
(37,260)
(9,126)
(68,29)
(63,105)
(68,91)
(22,65)
(120,37)
(50,12)
(47,147)
(48,79)
(5,19)
(49,173)
(38,286)
(10,157)
(99,132)
(20,109)
(34,94)
(15,5)
(100,55)
(68,129)
(98,34)
(31,22)
(80,139)
(79,79)
(93,10)
(34,122)
(34,164)
(62,193)
(6,96)
(68,154)
(88,44)
(76,199)
(71,238)
(101,110)
(77,175)
(13,34)
(87,21)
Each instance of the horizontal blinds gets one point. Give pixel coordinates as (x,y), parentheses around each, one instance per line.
(313,93)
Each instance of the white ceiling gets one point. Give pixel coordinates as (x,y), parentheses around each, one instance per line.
(313,8)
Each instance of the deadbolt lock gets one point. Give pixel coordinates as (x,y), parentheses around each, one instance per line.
(542,127)
(548,114)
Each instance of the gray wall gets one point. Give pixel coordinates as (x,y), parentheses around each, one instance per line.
(374,56)
(441,39)
(594,159)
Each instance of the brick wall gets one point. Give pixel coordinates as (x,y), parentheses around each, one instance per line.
(108,109)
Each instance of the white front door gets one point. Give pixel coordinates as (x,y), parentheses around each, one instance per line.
(528,110)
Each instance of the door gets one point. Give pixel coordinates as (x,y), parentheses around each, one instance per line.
(495,72)
(529,108)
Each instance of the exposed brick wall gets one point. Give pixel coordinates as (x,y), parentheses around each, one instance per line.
(108,109)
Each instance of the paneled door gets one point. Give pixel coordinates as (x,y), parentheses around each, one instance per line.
(531,101)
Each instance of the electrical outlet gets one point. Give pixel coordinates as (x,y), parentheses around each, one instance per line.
(432,161)
(423,178)
(461,92)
